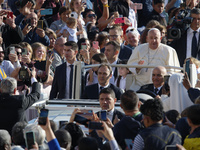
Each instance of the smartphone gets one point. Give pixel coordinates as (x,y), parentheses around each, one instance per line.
(103,115)
(95,125)
(83,46)
(24,52)
(30,139)
(86,113)
(4,6)
(119,20)
(187,67)
(129,143)
(82,120)
(12,50)
(95,44)
(137,6)
(40,24)
(46,11)
(49,53)
(10,15)
(171,147)
(62,123)
(43,116)
(74,15)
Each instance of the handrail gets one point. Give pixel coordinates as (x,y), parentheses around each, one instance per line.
(80,102)
(133,66)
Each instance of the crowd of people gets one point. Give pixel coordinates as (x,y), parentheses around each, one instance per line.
(40,42)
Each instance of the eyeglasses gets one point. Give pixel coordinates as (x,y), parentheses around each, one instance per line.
(92,15)
(19,53)
(129,30)
(113,36)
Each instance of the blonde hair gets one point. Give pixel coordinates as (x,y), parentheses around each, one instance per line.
(28,47)
(71,22)
(49,32)
(35,46)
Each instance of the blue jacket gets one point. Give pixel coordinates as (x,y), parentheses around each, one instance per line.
(158,136)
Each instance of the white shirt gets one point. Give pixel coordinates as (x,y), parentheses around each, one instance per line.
(189,41)
(68,70)
(103,86)
(122,83)
(158,89)
(132,18)
(110,114)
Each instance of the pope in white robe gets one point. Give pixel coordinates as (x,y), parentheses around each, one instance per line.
(151,53)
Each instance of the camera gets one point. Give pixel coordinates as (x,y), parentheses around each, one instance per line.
(24,75)
(180,24)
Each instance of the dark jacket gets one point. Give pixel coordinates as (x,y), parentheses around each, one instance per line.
(13,107)
(119,114)
(11,36)
(150,87)
(126,128)
(193,94)
(158,136)
(156,16)
(58,88)
(33,37)
(92,91)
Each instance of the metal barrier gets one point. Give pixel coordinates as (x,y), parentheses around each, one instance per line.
(80,67)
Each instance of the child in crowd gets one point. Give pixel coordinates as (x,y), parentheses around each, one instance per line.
(156,14)
(70,30)
(121,80)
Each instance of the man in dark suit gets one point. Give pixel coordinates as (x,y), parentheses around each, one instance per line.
(12,106)
(116,34)
(62,82)
(188,45)
(104,74)
(157,79)
(107,101)
(112,49)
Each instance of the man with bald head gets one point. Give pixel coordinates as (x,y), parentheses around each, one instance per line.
(153,53)
(157,79)
(59,52)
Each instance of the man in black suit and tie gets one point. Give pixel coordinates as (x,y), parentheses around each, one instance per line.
(12,106)
(62,82)
(104,74)
(157,79)
(112,49)
(107,101)
(188,45)
(116,34)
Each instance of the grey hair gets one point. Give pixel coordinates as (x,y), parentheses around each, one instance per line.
(5,138)
(8,85)
(38,131)
(134,32)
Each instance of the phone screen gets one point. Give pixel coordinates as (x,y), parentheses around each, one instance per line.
(171,147)
(81,120)
(40,24)
(83,46)
(95,125)
(30,140)
(46,12)
(24,51)
(43,116)
(103,115)
(12,50)
(187,67)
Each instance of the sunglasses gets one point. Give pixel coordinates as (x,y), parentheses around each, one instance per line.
(92,15)
(130,30)
(19,53)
